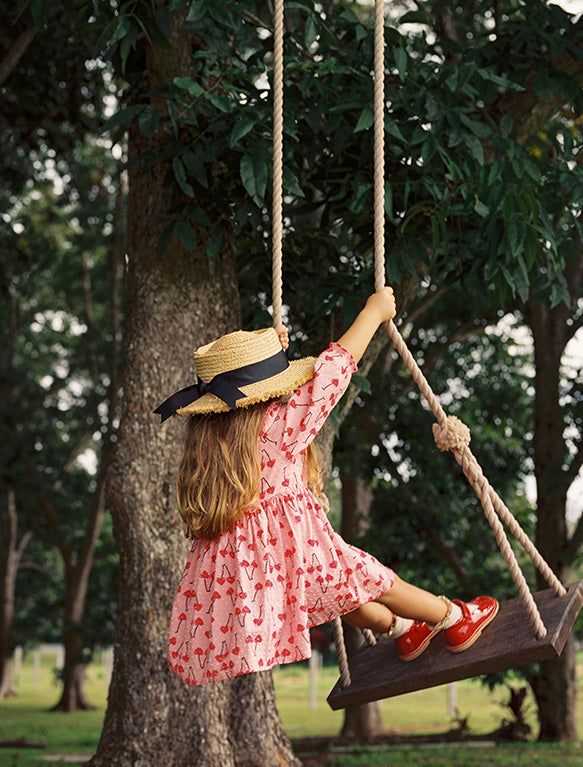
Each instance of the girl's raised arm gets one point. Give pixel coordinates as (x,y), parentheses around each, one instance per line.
(379,308)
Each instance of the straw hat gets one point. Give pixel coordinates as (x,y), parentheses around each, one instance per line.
(237,370)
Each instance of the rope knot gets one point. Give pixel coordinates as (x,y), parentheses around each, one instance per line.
(453,434)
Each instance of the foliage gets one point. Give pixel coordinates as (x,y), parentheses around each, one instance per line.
(465,195)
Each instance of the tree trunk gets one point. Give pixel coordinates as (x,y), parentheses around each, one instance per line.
(174,304)
(362,721)
(78,565)
(555,685)
(11,552)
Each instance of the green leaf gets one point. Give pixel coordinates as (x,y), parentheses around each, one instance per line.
(475,148)
(241,128)
(532,171)
(393,271)
(515,234)
(124,27)
(180,176)
(414,17)
(506,125)
(486,74)
(173,114)
(481,130)
(291,184)
(187,235)
(38,10)
(361,32)
(481,209)
(311,33)
(361,195)
(253,170)
(362,383)
(428,148)
(124,51)
(195,168)
(188,84)
(521,281)
(393,130)
(543,86)
(222,103)
(365,120)
(197,11)
(220,14)
(148,121)
(401,62)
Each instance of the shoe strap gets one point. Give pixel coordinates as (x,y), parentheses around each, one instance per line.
(441,624)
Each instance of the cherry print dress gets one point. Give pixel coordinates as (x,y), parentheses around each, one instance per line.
(247,599)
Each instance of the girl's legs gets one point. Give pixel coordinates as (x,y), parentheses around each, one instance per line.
(404,600)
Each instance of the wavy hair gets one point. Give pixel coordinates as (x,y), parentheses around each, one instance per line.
(220,472)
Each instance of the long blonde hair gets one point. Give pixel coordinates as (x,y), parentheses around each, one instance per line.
(220,472)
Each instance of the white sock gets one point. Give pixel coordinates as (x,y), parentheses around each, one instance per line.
(400,626)
(454,616)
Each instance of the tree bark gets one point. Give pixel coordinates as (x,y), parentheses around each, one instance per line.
(78,564)
(11,551)
(174,304)
(555,685)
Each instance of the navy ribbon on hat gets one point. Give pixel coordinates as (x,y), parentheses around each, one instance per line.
(224,385)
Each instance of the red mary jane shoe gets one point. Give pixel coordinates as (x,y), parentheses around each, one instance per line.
(477,614)
(414,641)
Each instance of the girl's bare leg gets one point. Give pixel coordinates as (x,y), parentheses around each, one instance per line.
(404,600)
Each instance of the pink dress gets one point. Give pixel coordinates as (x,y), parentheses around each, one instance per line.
(247,599)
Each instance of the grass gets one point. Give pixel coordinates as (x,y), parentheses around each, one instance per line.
(424,712)
(538,755)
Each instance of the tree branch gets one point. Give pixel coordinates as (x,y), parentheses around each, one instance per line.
(10,61)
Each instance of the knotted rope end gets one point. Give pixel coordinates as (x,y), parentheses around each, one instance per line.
(453,434)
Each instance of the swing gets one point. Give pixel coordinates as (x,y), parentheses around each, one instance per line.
(376,671)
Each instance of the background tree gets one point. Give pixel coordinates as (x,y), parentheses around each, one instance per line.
(61,200)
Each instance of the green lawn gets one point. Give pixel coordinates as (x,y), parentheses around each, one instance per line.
(423,712)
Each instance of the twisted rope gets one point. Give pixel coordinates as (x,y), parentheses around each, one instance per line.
(378,226)
(449,436)
(277,204)
(341,653)
(379,144)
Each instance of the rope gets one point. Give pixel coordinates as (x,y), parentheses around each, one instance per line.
(341,653)
(449,436)
(379,145)
(277,206)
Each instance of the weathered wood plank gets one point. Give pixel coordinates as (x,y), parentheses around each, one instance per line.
(508,642)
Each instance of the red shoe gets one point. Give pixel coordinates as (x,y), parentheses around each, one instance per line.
(477,614)
(413,642)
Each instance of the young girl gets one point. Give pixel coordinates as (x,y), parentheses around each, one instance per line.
(266,565)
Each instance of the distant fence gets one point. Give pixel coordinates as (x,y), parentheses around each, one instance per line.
(103,658)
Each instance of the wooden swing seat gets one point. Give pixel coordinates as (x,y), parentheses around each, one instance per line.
(508,642)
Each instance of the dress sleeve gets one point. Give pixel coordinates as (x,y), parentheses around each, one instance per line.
(310,405)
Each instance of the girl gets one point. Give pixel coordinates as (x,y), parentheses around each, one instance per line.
(266,565)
